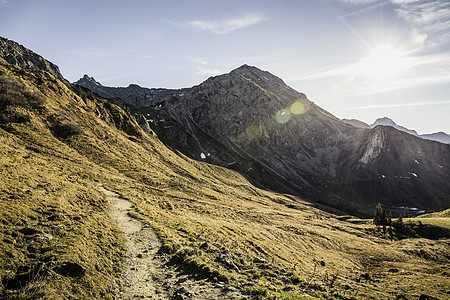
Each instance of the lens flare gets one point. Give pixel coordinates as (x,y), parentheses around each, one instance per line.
(255,130)
(283,115)
(297,108)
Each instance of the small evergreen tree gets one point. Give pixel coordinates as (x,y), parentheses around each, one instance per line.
(399,223)
(379,217)
(406,212)
(389,218)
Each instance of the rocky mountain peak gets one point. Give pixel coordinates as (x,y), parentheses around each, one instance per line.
(257,75)
(87,78)
(20,56)
(385,121)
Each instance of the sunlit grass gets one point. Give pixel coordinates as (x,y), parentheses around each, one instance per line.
(283,247)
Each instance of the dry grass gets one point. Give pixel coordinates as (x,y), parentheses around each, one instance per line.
(283,247)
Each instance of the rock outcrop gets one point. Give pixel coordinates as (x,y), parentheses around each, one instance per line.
(20,56)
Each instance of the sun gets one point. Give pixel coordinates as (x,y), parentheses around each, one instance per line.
(383,62)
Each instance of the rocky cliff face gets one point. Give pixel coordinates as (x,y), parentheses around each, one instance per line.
(251,121)
(20,56)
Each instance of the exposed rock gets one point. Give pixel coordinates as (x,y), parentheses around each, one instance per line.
(70,269)
(20,56)
(226,260)
(260,260)
(45,236)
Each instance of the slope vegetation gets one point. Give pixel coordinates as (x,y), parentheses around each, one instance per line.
(57,240)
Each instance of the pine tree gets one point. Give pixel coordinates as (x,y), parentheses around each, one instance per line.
(379,217)
(389,218)
(406,212)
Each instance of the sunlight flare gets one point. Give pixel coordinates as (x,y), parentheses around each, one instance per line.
(383,62)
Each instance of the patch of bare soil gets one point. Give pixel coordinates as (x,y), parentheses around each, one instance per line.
(147,273)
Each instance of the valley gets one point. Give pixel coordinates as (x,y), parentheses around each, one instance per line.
(274,240)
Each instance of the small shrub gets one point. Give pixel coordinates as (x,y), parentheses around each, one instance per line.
(65,130)
(14,115)
(15,93)
(258,292)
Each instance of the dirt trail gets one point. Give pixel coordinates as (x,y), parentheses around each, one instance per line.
(147,274)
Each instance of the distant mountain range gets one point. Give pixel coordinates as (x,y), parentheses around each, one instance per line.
(441,137)
(249,120)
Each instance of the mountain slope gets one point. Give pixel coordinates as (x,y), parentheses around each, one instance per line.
(441,137)
(56,147)
(250,121)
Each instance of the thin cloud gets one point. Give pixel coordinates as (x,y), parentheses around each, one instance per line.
(4,3)
(228,25)
(431,18)
(416,68)
(197,60)
(363,10)
(400,105)
(208,71)
(356,2)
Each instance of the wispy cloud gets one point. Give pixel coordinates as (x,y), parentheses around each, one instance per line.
(198,60)
(410,104)
(366,9)
(4,2)
(418,71)
(205,71)
(356,2)
(227,25)
(427,17)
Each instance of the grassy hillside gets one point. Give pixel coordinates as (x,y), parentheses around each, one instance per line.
(55,145)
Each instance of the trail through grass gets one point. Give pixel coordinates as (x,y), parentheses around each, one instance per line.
(147,272)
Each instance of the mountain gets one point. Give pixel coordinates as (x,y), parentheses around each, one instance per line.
(357,123)
(250,121)
(58,239)
(385,121)
(131,95)
(441,137)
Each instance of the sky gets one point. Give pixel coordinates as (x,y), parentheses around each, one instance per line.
(357,59)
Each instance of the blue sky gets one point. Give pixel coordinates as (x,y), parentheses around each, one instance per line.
(357,59)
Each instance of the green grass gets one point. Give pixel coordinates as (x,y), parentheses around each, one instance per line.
(283,247)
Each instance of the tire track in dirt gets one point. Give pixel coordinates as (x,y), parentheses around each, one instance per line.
(147,273)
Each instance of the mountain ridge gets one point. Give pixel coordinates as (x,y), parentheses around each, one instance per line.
(18,55)
(441,137)
(250,121)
